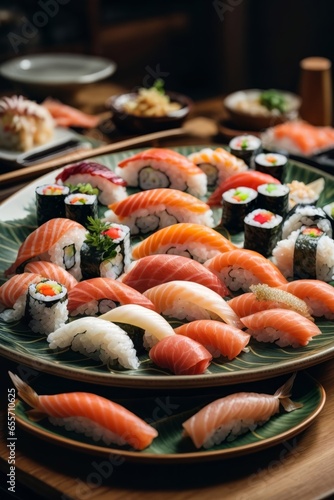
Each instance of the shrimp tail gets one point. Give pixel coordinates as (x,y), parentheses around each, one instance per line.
(284,393)
(25,392)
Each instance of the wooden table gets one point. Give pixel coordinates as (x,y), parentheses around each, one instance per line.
(299,468)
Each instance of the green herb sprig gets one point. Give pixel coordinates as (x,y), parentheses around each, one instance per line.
(95,237)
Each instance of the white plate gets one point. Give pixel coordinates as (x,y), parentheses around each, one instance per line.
(57,69)
(61,135)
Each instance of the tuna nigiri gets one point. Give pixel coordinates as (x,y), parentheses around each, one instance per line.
(318,295)
(219,338)
(96,296)
(235,414)
(181,355)
(153,270)
(154,209)
(51,271)
(163,168)
(185,238)
(111,187)
(188,300)
(241,268)
(57,240)
(282,326)
(217,164)
(250,178)
(13,294)
(90,414)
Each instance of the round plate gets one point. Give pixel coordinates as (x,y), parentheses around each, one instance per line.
(57,69)
(171,447)
(263,361)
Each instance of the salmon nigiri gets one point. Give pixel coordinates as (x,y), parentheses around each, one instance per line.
(163,168)
(13,295)
(188,300)
(153,270)
(250,178)
(90,414)
(236,414)
(216,336)
(241,268)
(185,238)
(154,209)
(52,271)
(181,355)
(98,295)
(57,240)
(282,326)
(318,295)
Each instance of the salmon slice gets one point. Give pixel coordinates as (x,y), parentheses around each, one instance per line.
(52,271)
(98,289)
(189,300)
(284,327)
(68,116)
(17,286)
(241,268)
(153,270)
(219,338)
(189,239)
(318,295)
(181,355)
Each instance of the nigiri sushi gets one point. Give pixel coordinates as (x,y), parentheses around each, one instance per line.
(153,270)
(250,178)
(318,295)
(162,168)
(98,339)
(13,295)
(181,355)
(190,301)
(51,271)
(88,413)
(282,326)
(96,296)
(112,188)
(217,164)
(264,297)
(68,116)
(233,415)
(241,268)
(57,240)
(217,337)
(154,209)
(185,238)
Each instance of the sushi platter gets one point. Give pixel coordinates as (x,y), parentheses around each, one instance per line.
(261,361)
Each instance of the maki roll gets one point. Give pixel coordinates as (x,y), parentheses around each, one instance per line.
(271,163)
(106,251)
(329,211)
(245,147)
(237,203)
(307,253)
(306,215)
(79,207)
(50,202)
(46,306)
(262,231)
(274,197)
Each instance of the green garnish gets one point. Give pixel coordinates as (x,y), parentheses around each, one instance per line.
(159,85)
(273,99)
(98,237)
(82,188)
(244,144)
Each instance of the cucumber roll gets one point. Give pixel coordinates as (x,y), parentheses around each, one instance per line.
(106,251)
(46,306)
(79,207)
(271,163)
(262,231)
(306,215)
(274,197)
(245,147)
(237,203)
(50,202)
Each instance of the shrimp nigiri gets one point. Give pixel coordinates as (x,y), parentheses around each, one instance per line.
(236,414)
(90,414)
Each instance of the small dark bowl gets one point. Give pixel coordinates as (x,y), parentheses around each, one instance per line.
(133,124)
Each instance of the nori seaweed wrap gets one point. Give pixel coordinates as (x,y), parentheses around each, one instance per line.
(274,197)
(50,202)
(262,231)
(237,203)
